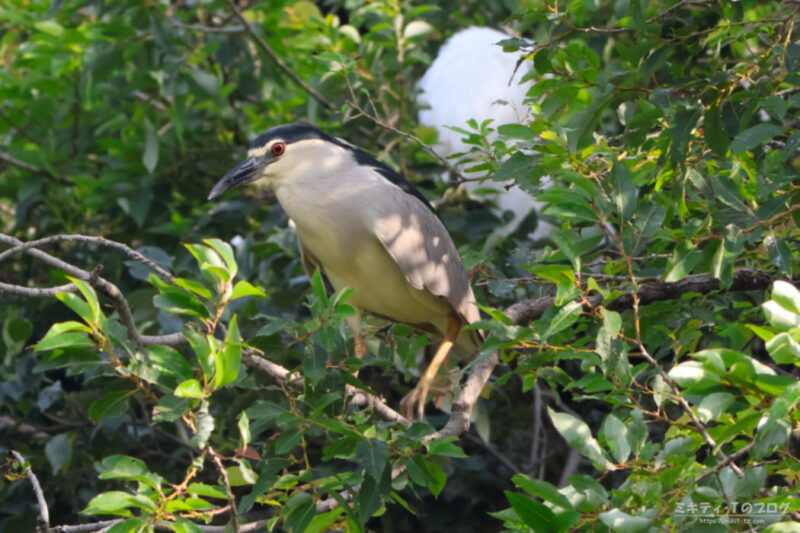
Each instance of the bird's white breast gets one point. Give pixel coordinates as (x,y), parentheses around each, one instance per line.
(336,209)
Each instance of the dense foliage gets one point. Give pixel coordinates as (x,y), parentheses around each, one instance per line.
(656,332)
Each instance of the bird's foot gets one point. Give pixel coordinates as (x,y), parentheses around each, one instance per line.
(415,400)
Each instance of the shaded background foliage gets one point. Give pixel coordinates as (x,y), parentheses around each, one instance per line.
(672,122)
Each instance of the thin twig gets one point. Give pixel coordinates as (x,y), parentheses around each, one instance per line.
(102,241)
(217,459)
(107,288)
(29,167)
(43,519)
(86,528)
(385,125)
(267,49)
(208,29)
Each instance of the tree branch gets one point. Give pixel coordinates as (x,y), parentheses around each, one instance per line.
(43,519)
(130,252)
(267,49)
(526,311)
(101,284)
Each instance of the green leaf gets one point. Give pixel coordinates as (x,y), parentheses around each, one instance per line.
(212,265)
(536,515)
(226,253)
(714,134)
(514,167)
(190,388)
(314,363)
(318,288)
(124,467)
(786,295)
(565,317)
(693,373)
(579,437)
(784,349)
(94,315)
(565,244)
(210,491)
(623,191)
(623,522)
(755,136)
(712,406)
(118,503)
(228,359)
(205,426)
(112,404)
(244,429)
(372,454)
(415,28)
(77,304)
(680,134)
(298,512)
(182,525)
(446,447)
(204,347)
(778,316)
(369,499)
(779,254)
(243,288)
(150,154)
(541,489)
(182,302)
(727,254)
(58,450)
(165,365)
(616,436)
(50,27)
(65,335)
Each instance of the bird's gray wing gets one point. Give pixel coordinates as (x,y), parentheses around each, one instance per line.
(419,243)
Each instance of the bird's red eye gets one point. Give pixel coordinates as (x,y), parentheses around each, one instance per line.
(278,149)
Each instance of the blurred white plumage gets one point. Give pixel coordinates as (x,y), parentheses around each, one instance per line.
(473,78)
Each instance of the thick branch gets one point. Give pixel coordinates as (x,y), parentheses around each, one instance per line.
(36,292)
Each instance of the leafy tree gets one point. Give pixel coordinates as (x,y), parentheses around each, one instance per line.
(166,367)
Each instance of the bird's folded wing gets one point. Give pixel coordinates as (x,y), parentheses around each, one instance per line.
(419,243)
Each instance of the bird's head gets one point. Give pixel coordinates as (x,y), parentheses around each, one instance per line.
(280,154)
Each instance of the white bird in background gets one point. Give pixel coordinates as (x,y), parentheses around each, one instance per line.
(473,78)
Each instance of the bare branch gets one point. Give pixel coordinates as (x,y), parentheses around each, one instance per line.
(217,460)
(86,528)
(36,292)
(107,288)
(208,29)
(43,518)
(133,254)
(22,428)
(22,164)
(385,125)
(267,49)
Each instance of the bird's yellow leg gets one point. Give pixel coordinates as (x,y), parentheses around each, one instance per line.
(360,345)
(416,398)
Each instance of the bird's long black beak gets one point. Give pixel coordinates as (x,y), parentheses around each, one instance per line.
(243,173)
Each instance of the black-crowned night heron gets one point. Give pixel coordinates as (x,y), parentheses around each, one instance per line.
(367,228)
